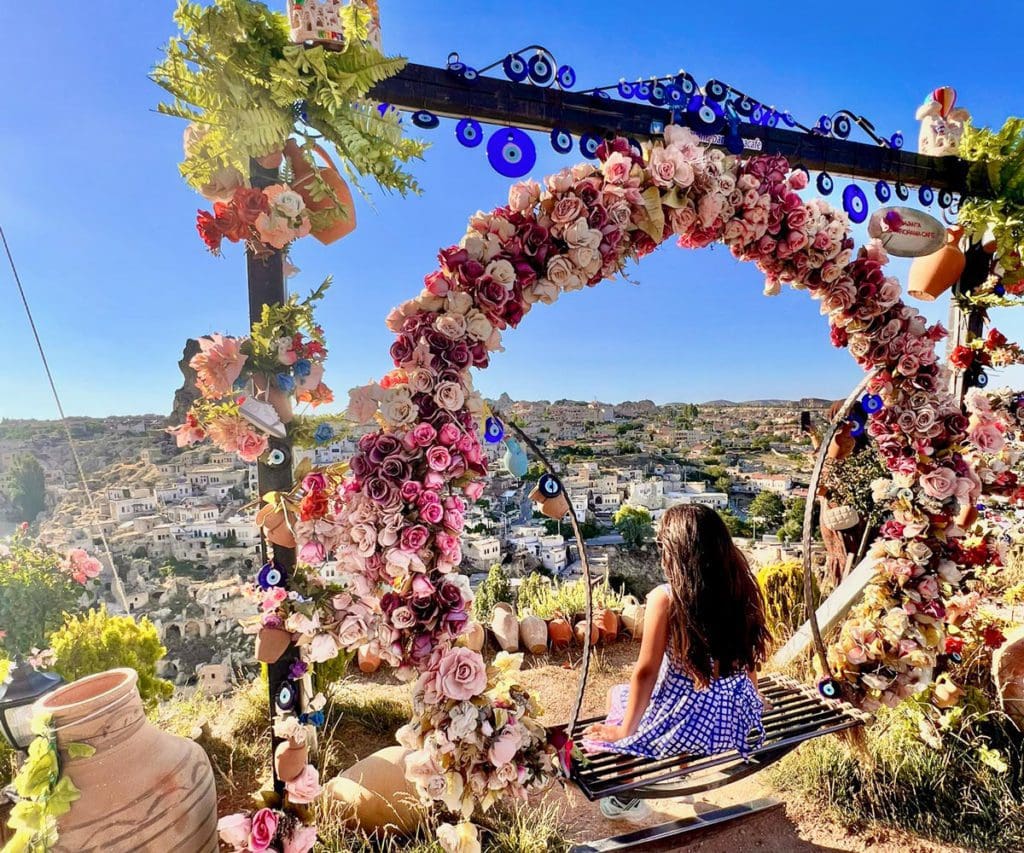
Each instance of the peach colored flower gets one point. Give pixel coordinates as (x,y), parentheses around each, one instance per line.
(218,364)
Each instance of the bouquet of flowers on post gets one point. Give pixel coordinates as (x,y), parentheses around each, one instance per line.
(247,385)
(474,735)
(264,219)
(993,350)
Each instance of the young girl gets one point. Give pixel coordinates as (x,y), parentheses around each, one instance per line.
(694,687)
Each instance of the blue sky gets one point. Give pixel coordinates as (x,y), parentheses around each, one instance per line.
(102,226)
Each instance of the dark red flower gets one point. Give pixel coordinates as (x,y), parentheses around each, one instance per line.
(229,222)
(992,637)
(962,357)
(208,229)
(250,203)
(995,339)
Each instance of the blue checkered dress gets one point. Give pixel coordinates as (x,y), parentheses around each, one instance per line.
(682,719)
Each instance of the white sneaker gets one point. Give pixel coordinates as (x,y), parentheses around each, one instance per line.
(633,811)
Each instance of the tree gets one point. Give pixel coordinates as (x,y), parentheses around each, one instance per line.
(634,524)
(735,524)
(793,522)
(495,588)
(96,642)
(28,488)
(769,507)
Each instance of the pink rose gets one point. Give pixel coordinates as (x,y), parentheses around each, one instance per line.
(432,513)
(313,553)
(323,647)
(305,787)
(414,538)
(264,828)
(449,435)
(410,490)
(438,458)
(504,749)
(252,445)
(939,483)
(474,490)
(987,437)
(461,674)
(616,168)
(301,840)
(423,435)
(402,618)
(234,829)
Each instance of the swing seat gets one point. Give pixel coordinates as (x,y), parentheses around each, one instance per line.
(798,713)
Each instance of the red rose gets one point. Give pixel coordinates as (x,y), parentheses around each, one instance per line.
(995,339)
(954,645)
(314,505)
(250,203)
(229,222)
(992,637)
(208,229)
(962,357)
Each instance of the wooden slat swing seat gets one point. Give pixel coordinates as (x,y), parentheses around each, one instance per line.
(797,713)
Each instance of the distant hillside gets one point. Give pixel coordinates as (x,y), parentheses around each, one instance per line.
(804,402)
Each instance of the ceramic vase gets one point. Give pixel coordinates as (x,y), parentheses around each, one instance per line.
(271,643)
(533,633)
(290,759)
(581,632)
(633,613)
(505,627)
(368,660)
(560,632)
(142,790)
(304,182)
(934,274)
(474,636)
(375,796)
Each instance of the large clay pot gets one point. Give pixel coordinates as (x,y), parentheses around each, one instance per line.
(275,526)
(633,613)
(368,660)
(533,632)
(607,622)
(474,636)
(505,627)
(581,632)
(291,758)
(934,274)
(143,790)
(560,632)
(271,644)
(374,795)
(1008,675)
(304,182)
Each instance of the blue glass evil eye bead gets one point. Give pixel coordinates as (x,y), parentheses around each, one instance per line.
(494,430)
(469,133)
(855,203)
(511,152)
(270,575)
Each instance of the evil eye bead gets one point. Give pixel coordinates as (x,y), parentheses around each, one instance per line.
(625,89)
(883,192)
(685,83)
(589,143)
(566,76)
(829,688)
(511,152)
(716,90)
(425,119)
(270,575)
(981,380)
(945,199)
(856,427)
(926,195)
(744,107)
(657,96)
(674,96)
(842,126)
(871,403)
(494,430)
(469,74)
(276,458)
(896,140)
(549,486)
(825,183)
(540,69)
(824,125)
(469,133)
(706,115)
(455,66)
(855,203)
(561,140)
(956,657)
(515,68)
(642,90)
(287,697)
(787,119)
(999,290)
(902,193)
(600,93)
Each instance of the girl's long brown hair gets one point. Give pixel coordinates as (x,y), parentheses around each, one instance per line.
(717,623)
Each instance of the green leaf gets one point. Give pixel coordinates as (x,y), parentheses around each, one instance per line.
(80,750)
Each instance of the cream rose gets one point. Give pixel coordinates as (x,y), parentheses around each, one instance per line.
(452,326)
(478,326)
(397,407)
(579,233)
(563,273)
(502,272)
(450,396)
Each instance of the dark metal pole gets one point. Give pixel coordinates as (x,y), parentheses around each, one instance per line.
(267,287)
(965,327)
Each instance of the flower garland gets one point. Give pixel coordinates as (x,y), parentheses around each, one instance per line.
(283,358)
(395,520)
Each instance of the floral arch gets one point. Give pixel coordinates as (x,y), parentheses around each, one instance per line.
(393,521)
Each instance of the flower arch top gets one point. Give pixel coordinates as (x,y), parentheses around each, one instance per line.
(394,524)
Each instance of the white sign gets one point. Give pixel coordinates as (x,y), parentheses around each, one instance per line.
(906,232)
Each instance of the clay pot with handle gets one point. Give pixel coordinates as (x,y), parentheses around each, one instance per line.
(275,526)
(304,183)
(142,790)
(633,613)
(560,632)
(368,660)
(533,633)
(934,274)
(271,643)
(474,636)
(505,627)
(607,622)
(581,632)
(291,758)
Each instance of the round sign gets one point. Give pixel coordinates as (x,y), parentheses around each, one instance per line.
(906,232)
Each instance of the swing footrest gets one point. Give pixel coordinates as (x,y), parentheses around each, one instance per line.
(665,836)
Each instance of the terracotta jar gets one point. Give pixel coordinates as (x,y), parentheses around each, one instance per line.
(1008,675)
(304,183)
(275,526)
(368,660)
(533,633)
(607,622)
(375,796)
(143,790)
(633,613)
(291,758)
(474,636)
(271,644)
(505,627)
(934,274)
(560,632)
(581,632)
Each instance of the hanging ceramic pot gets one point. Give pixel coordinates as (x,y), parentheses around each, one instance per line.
(304,182)
(271,161)
(505,627)
(560,632)
(291,758)
(934,274)
(633,613)
(368,660)
(271,643)
(142,790)
(266,389)
(607,622)
(275,526)
(533,633)
(474,637)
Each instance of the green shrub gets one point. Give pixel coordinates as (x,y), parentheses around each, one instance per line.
(782,585)
(96,642)
(546,600)
(494,589)
(966,790)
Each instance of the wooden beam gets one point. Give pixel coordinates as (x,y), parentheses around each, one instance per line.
(490,99)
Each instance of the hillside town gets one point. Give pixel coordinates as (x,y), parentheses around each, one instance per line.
(180,528)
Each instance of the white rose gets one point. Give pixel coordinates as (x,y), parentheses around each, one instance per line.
(581,234)
(289,204)
(397,407)
(452,326)
(473,243)
(502,272)
(563,273)
(544,290)
(450,396)
(478,326)
(458,302)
